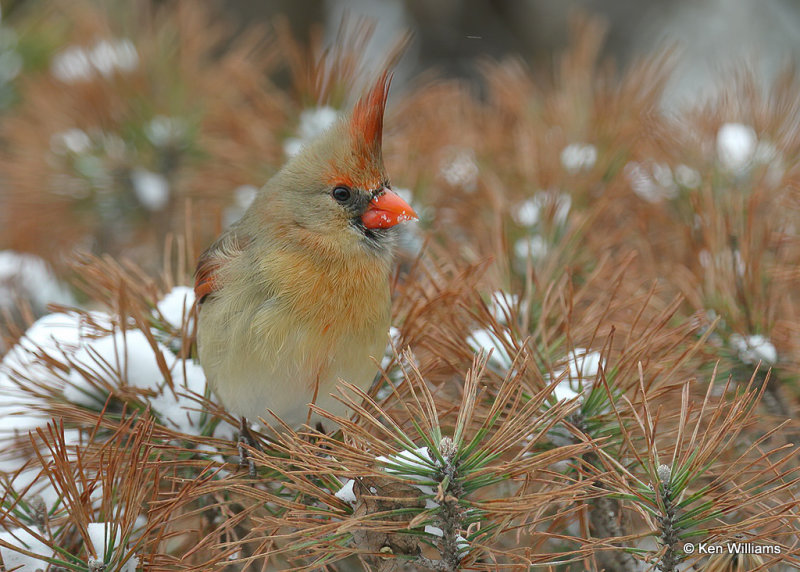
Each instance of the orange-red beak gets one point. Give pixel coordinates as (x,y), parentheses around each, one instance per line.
(386,210)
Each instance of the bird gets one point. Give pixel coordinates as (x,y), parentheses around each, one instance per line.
(295,295)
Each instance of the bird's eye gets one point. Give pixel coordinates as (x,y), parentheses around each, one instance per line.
(341,194)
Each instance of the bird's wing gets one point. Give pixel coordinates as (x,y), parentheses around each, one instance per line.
(228,246)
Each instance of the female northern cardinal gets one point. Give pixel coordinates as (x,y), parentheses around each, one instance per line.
(295,295)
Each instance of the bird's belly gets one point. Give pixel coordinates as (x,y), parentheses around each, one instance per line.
(281,366)
(288,382)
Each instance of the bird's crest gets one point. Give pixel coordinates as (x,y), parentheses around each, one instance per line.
(366,122)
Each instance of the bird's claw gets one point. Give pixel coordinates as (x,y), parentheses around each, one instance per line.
(245,459)
(246,439)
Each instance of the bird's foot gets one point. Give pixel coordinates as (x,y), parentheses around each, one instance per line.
(246,439)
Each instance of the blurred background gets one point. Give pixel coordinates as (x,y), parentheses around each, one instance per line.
(711,37)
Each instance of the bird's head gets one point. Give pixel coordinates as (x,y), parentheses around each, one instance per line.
(336,188)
